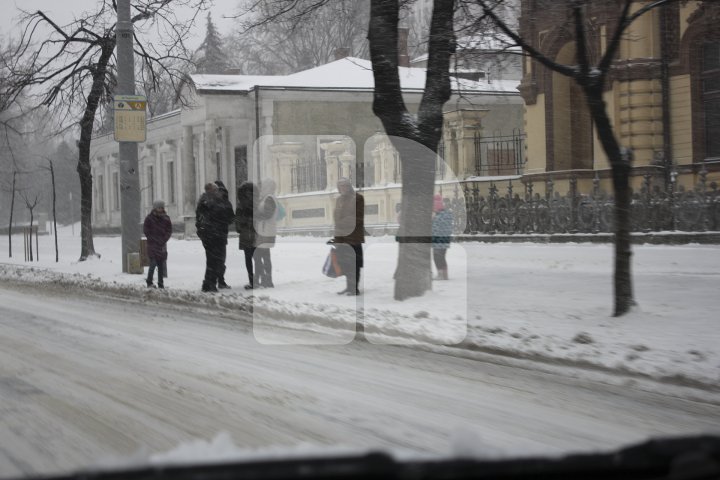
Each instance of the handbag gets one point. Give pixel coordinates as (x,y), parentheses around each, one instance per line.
(331,267)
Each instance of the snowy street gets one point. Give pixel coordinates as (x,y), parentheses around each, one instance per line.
(551,303)
(88,380)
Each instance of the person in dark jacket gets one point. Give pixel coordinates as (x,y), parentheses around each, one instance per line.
(212,217)
(157,228)
(247,197)
(349,217)
(226,200)
(442,228)
(266,227)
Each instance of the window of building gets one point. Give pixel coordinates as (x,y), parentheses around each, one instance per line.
(116,190)
(100,194)
(171,182)
(241,165)
(710,80)
(150,185)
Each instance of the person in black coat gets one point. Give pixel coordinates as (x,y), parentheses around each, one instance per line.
(247,198)
(157,228)
(226,200)
(212,217)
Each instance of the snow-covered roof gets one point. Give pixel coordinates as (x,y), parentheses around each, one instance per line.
(489,43)
(479,44)
(345,74)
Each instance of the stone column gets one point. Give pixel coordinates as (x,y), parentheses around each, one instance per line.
(460,127)
(209,147)
(285,155)
(189,198)
(333,152)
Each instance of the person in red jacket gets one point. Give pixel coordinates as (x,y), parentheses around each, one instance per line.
(157,229)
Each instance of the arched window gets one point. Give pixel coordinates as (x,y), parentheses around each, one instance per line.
(699,57)
(569,119)
(710,92)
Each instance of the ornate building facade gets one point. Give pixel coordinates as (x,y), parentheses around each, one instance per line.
(662,94)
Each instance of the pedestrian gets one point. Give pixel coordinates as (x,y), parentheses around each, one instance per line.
(157,228)
(226,201)
(442,228)
(212,217)
(349,217)
(266,228)
(247,197)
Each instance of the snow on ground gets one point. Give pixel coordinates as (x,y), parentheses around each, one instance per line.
(546,302)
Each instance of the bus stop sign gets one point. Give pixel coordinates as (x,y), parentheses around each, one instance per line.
(129,114)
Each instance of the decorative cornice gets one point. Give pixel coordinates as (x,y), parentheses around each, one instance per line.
(528,90)
(636,69)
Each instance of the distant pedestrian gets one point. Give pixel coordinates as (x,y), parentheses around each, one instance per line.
(226,201)
(349,217)
(157,228)
(266,213)
(247,198)
(442,228)
(212,217)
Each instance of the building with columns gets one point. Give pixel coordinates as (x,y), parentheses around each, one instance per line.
(304,130)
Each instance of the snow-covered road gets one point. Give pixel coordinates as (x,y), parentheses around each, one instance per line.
(90,380)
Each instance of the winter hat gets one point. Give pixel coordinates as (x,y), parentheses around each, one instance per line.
(157,204)
(438,204)
(267,187)
(346,181)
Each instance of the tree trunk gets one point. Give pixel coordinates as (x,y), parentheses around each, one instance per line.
(54,203)
(621,167)
(31,235)
(84,169)
(415,139)
(414,271)
(12,210)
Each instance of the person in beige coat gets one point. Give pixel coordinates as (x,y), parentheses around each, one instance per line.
(349,217)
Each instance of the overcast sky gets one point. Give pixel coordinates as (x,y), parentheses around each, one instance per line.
(63,11)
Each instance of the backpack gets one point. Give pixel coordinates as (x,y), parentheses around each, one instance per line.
(280,212)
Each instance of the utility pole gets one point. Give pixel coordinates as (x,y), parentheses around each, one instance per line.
(129,175)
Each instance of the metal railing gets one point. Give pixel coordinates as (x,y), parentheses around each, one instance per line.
(653,208)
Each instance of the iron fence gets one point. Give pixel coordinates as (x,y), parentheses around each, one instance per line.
(653,208)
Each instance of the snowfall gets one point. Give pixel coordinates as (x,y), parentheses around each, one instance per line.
(548,303)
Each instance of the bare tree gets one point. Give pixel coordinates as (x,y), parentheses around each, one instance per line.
(280,37)
(590,73)
(72,68)
(31,203)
